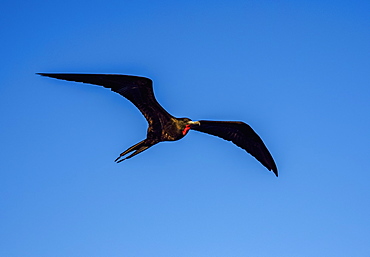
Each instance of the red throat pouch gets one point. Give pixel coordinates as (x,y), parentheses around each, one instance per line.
(187,128)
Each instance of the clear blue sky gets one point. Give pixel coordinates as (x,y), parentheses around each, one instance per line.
(296,71)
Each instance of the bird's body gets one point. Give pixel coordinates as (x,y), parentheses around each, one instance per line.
(162,126)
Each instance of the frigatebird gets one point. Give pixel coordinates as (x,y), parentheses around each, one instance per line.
(162,126)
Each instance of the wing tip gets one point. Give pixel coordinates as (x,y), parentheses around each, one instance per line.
(275,171)
(45,74)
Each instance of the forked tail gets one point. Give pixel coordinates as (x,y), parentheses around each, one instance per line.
(138,148)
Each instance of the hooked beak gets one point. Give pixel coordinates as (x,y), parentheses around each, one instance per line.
(193,123)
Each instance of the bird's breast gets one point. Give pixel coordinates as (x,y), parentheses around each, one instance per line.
(172,132)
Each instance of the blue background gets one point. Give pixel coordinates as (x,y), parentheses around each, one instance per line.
(296,71)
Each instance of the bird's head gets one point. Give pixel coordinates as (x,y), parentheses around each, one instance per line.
(187,124)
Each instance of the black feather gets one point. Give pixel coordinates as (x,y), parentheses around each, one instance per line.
(243,136)
(162,126)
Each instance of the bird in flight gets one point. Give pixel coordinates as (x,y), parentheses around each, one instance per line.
(162,126)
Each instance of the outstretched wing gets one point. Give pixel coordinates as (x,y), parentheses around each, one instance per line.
(138,90)
(243,136)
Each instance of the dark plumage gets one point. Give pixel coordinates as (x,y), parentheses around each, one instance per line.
(162,126)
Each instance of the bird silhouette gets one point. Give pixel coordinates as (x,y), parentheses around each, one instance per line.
(162,126)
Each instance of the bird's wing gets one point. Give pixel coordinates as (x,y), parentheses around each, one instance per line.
(243,136)
(138,90)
